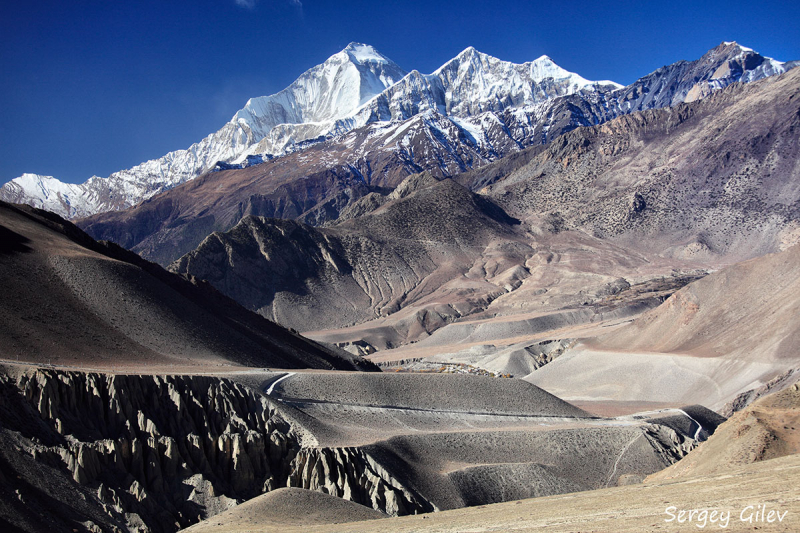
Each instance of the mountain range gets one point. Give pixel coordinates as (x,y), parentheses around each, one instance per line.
(495,106)
(555,228)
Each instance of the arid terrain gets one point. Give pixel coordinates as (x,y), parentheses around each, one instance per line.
(71,301)
(745,471)
(455,312)
(736,494)
(720,336)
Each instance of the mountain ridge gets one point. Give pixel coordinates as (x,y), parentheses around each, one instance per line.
(601,208)
(270,125)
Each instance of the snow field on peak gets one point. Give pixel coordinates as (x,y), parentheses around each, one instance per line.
(364,53)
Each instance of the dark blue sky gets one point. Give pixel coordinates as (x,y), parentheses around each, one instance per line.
(91,87)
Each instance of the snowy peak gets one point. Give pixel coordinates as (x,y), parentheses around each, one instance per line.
(364,53)
(544,67)
(316,104)
(332,90)
(469,58)
(735,44)
(727,63)
(539,69)
(46,192)
(731,48)
(740,56)
(475,82)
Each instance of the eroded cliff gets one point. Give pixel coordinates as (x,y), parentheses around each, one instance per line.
(159,453)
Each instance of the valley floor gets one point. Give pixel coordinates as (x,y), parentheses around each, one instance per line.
(774,485)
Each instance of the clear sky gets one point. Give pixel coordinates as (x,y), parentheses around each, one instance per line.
(91,87)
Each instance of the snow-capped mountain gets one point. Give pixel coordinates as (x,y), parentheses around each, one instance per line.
(347,91)
(469,84)
(495,105)
(319,100)
(320,180)
(476,108)
(473,83)
(308,108)
(46,192)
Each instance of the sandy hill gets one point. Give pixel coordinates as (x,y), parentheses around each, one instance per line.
(720,336)
(69,300)
(749,310)
(288,507)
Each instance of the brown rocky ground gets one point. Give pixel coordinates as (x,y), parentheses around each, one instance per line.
(766,429)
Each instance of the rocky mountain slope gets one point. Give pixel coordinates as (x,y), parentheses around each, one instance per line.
(750,309)
(133,453)
(602,209)
(69,300)
(428,254)
(708,179)
(364,268)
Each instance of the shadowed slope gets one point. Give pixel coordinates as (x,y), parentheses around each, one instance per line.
(363,268)
(71,300)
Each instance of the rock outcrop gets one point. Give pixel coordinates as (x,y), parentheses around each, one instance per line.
(350,473)
(160,453)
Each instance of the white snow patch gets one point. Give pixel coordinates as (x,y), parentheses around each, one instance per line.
(364,53)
